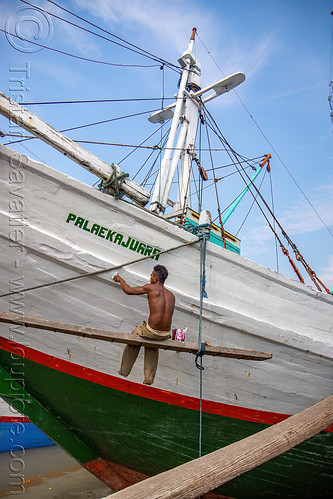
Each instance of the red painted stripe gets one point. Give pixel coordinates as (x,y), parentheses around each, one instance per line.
(14,419)
(145,391)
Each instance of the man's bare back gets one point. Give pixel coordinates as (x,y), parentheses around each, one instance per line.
(160,300)
(161,306)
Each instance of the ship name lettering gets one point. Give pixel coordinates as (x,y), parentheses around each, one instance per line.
(113,236)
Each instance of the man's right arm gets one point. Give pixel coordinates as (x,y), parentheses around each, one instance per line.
(129,290)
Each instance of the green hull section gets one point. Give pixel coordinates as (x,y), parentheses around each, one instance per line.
(91,420)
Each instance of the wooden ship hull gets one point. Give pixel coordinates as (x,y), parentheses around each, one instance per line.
(54,228)
(30,437)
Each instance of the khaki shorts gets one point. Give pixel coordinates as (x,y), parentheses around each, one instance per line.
(145,331)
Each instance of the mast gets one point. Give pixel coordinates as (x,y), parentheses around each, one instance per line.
(169,163)
(191,111)
(185,114)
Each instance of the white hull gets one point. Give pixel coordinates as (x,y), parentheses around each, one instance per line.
(248,306)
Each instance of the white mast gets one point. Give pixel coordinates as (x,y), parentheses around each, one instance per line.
(184,112)
(168,165)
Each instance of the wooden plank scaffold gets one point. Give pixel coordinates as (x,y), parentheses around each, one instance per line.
(130,339)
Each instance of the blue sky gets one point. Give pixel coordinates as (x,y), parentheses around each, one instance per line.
(284,47)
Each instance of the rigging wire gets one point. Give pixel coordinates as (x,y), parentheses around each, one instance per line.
(216,191)
(298,255)
(132,47)
(197,186)
(158,176)
(207,186)
(34,154)
(272,199)
(270,144)
(255,161)
(250,209)
(140,146)
(98,142)
(163,61)
(92,101)
(63,52)
(91,124)
(100,271)
(201,187)
(151,171)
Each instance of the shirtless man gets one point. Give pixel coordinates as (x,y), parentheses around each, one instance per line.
(161,307)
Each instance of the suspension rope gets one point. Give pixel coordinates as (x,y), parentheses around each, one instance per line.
(96,272)
(203,232)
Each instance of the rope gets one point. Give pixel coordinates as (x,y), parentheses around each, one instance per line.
(271,145)
(203,232)
(298,256)
(200,353)
(114,182)
(96,272)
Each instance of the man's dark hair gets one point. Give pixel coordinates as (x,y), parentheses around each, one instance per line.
(161,272)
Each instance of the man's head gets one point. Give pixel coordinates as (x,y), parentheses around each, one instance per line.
(160,272)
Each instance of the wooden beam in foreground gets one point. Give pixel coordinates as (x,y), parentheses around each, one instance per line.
(197,477)
(130,339)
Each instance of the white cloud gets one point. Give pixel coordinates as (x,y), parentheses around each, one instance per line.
(301,218)
(169,25)
(80,43)
(295,91)
(57,73)
(166,22)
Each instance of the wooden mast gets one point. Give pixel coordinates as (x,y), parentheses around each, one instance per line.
(184,114)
